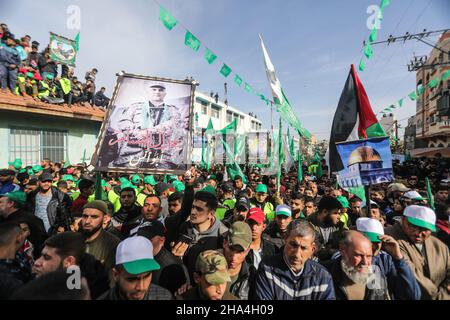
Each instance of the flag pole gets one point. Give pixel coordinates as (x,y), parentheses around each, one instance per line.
(368,204)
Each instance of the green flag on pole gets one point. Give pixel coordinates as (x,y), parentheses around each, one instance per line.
(299,169)
(225,70)
(430,194)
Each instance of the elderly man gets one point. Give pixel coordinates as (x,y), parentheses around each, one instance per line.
(427,256)
(354,275)
(291,274)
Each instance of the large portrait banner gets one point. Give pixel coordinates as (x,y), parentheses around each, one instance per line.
(147,127)
(62,50)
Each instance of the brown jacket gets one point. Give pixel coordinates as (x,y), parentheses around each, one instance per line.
(434,283)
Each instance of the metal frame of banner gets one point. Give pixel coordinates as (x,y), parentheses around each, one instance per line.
(120,77)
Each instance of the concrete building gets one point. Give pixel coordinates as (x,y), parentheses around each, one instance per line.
(410,134)
(33,130)
(207,107)
(433,107)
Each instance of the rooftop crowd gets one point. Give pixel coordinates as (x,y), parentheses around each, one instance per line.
(206,236)
(27,71)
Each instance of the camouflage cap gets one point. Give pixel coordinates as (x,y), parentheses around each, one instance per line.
(213,265)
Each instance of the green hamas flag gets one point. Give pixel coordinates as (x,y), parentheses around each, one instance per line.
(434,83)
(247,87)
(384,4)
(225,70)
(237,80)
(430,194)
(299,169)
(400,103)
(446,75)
(421,90)
(280,155)
(191,41)
(373,34)
(362,65)
(413,96)
(167,19)
(209,56)
(62,50)
(368,50)
(77,42)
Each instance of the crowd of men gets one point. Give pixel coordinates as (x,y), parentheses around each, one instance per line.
(27,71)
(207,236)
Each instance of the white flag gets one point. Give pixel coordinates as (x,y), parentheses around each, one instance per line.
(275,84)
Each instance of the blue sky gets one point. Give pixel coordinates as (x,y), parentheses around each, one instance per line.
(311,44)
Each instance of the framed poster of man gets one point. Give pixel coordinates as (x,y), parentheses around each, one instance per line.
(62,50)
(147,127)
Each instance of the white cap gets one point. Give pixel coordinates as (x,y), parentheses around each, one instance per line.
(373,204)
(413,195)
(284,210)
(372,228)
(136,255)
(421,216)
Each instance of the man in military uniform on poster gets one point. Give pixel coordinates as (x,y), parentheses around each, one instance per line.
(160,125)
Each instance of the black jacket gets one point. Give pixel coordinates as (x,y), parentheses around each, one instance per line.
(37,231)
(274,234)
(96,275)
(165,258)
(243,287)
(58,209)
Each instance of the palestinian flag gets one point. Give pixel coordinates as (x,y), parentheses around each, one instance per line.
(354,119)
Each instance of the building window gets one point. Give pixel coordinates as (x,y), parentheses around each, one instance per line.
(215,112)
(33,145)
(204,110)
(229,116)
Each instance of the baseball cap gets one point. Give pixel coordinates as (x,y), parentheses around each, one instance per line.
(371,228)
(243,202)
(127,185)
(178,186)
(85,183)
(284,210)
(343,200)
(17,163)
(397,187)
(136,179)
(158,85)
(161,187)
(227,187)
(421,216)
(67,177)
(257,215)
(19,197)
(261,188)
(150,180)
(240,234)
(150,229)
(136,255)
(413,195)
(210,189)
(37,168)
(46,177)
(213,265)
(212,177)
(373,204)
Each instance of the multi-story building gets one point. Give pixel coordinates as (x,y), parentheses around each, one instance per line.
(433,106)
(410,134)
(208,107)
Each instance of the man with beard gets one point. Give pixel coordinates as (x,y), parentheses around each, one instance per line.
(175,201)
(354,275)
(427,256)
(67,249)
(328,227)
(100,243)
(291,274)
(129,212)
(355,210)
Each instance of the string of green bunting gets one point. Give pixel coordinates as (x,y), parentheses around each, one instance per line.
(191,41)
(416,94)
(368,49)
